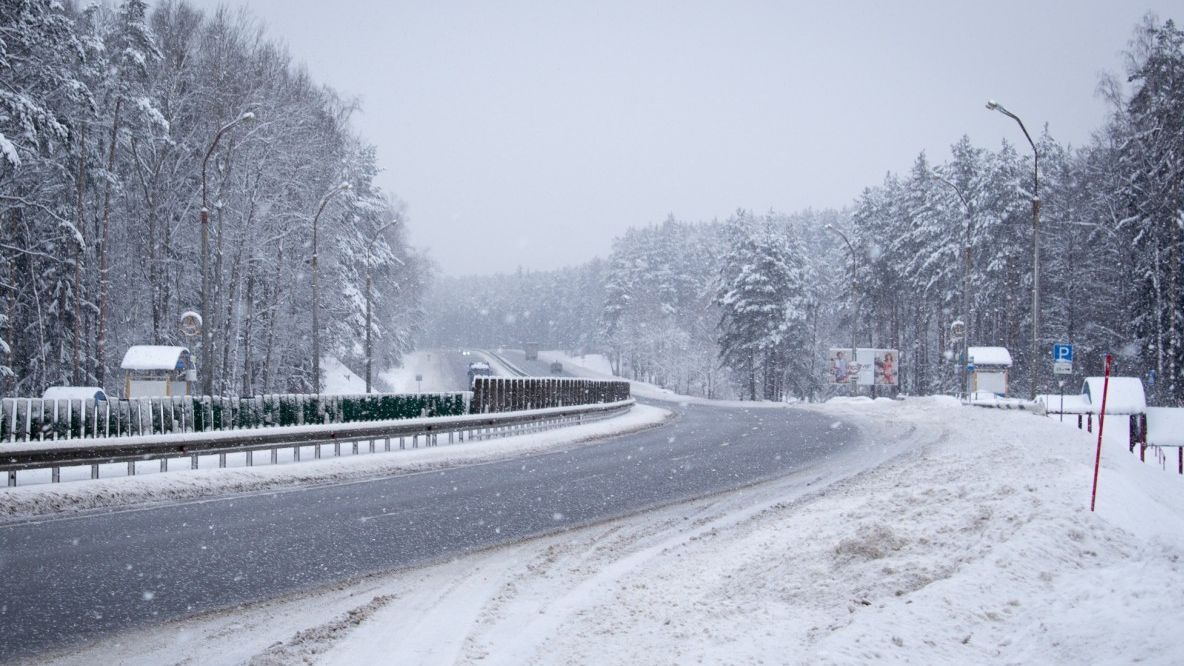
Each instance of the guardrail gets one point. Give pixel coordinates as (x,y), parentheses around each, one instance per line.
(96,452)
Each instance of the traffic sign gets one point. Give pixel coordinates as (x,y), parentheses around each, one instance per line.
(1062,359)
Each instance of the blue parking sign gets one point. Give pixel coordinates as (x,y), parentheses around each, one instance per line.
(1062,352)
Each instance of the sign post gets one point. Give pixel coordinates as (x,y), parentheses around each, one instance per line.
(1062,359)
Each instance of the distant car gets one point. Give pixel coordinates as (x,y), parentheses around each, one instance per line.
(75,393)
(556,367)
(479,369)
(465,352)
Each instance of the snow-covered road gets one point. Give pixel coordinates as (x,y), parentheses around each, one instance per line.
(963,536)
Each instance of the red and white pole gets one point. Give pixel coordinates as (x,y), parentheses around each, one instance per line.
(1101,422)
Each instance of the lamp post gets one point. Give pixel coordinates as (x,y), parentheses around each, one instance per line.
(369,287)
(996,106)
(965,277)
(208,372)
(316,295)
(851,249)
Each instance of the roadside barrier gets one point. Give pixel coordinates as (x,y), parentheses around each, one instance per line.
(403,434)
(35,419)
(505,394)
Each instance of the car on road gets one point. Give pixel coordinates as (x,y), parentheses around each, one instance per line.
(556,367)
(479,369)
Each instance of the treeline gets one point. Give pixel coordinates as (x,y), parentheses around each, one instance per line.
(747,307)
(1110,236)
(116,123)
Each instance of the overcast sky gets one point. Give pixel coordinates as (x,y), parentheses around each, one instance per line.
(529,134)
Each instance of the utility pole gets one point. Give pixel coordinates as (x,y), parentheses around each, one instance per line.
(206,355)
(316,294)
(1035,352)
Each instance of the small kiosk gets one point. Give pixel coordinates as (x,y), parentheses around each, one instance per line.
(986,370)
(157,370)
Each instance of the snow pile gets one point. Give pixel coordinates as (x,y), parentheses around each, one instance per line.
(954,535)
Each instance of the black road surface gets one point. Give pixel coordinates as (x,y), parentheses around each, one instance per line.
(72,580)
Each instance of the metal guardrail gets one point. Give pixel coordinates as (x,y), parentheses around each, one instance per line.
(95,452)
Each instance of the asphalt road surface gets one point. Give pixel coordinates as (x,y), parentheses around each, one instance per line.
(72,580)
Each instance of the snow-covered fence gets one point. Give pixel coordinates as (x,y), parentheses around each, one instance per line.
(507,394)
(35,419)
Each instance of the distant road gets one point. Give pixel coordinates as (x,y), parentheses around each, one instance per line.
(442,370)
(77,579)
(538,368)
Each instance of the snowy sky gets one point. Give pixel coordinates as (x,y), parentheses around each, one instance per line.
(529,134)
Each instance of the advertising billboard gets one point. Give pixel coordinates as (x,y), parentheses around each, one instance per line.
(866,367)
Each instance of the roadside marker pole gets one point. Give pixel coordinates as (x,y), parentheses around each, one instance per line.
(1101,421)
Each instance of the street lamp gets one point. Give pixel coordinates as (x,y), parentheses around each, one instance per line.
(965,276)
(851,249)
(316,296)
(208,372)
(992,105)
(369,287)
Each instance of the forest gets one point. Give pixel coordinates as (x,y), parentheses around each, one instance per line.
(119,123)
(747,307)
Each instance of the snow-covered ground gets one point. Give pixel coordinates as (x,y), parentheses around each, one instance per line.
(957,534)
(339,379)
(596,366)
(430,365)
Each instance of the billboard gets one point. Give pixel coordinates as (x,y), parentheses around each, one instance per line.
(866,367)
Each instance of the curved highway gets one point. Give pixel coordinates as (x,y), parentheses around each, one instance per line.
(71,580)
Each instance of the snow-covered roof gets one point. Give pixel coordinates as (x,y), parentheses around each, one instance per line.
(1165,426)
(1124,397)
(152,357)
(990,356)
(74,393)
(1072,403)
